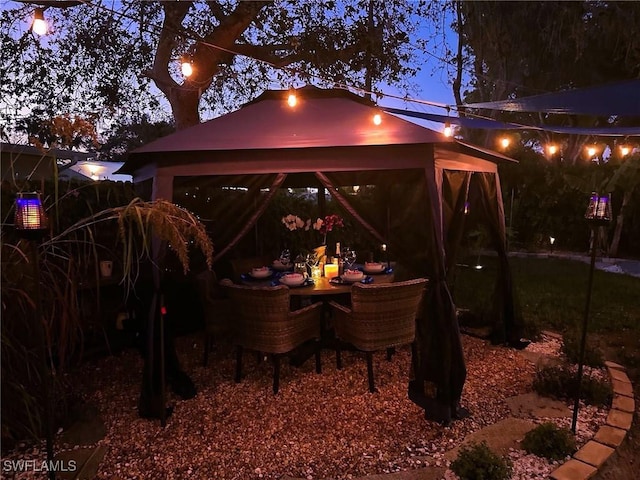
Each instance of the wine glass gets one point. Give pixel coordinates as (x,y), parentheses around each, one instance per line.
(312,259)
(285,257)
(349,257)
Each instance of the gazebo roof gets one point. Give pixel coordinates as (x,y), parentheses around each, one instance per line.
(322,118)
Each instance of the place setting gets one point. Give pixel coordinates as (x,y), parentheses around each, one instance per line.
(294,280)
(351,274)
(375,268)
(257,274)
(283,263)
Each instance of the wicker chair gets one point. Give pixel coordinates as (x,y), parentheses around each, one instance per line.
(381,317)
(217,310)
(265,324)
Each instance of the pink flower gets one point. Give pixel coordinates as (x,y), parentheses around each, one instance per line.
(328,224)
(293,222)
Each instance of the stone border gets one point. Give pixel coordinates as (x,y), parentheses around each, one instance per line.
(595,452)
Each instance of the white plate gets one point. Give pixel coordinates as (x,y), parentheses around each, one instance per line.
(260,273)
(292,280)
(352,278)
(374,267)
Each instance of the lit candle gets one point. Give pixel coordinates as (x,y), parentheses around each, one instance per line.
(315,272)
(384,249)
(330,270)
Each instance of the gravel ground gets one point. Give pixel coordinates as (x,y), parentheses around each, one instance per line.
(318,426)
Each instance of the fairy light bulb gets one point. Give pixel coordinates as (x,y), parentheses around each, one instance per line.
(187,68)
(505,142)
(447,131)
(39,25)
(292,100)
(377,119)
(624,150)
(591,151)
(552,149)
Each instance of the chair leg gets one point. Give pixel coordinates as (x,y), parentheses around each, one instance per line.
(372,387)
(276,373)
(338,357)
(390,352)
(238,363)
(318,362)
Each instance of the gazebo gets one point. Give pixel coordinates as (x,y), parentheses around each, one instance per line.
(329,139)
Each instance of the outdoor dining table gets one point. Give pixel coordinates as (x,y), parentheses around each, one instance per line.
(322,289)
(322,286)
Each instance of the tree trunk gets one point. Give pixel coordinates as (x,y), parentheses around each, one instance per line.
(617,233)
(457,83)
(184,106)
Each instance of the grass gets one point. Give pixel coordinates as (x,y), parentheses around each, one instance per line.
(552,294)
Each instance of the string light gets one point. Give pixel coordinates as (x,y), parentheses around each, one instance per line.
(591,151)
(624,150)
(552,149)
(447,131)
(39,25)
(292,99)
(377,119)
(187,68)
(505,142)
(405,98)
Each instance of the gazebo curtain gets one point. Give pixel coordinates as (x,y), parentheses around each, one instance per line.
(508,324)
(233,206)
(415,238)
(418,230)
(480,191)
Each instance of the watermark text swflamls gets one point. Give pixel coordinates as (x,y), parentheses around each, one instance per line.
(23,465)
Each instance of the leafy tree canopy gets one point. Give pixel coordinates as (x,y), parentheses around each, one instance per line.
(516,49)
(120,60)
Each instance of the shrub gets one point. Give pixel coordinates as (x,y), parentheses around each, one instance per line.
(478,462)
(549,441)
(571,348)
(561,382)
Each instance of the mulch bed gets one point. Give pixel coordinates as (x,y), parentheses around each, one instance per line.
(317,426)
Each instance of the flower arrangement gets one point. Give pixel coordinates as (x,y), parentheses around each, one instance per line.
(293,222)
(321,225)
(327,224)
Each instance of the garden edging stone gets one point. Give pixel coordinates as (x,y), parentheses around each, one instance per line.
(594,454)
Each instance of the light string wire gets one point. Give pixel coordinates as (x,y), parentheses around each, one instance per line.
(297,71)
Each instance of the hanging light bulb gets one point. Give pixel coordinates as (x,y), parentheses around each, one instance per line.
(39,25)
(624,150)
(552,149)
(591,151)
(292,100)
(187,68)
(447,131)
(377,119)
(505,142)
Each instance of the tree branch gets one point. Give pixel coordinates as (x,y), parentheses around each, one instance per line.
(266,54)
(219,46)
(216,10)
(174,13)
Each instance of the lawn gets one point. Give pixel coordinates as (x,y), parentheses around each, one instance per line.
(552,294)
